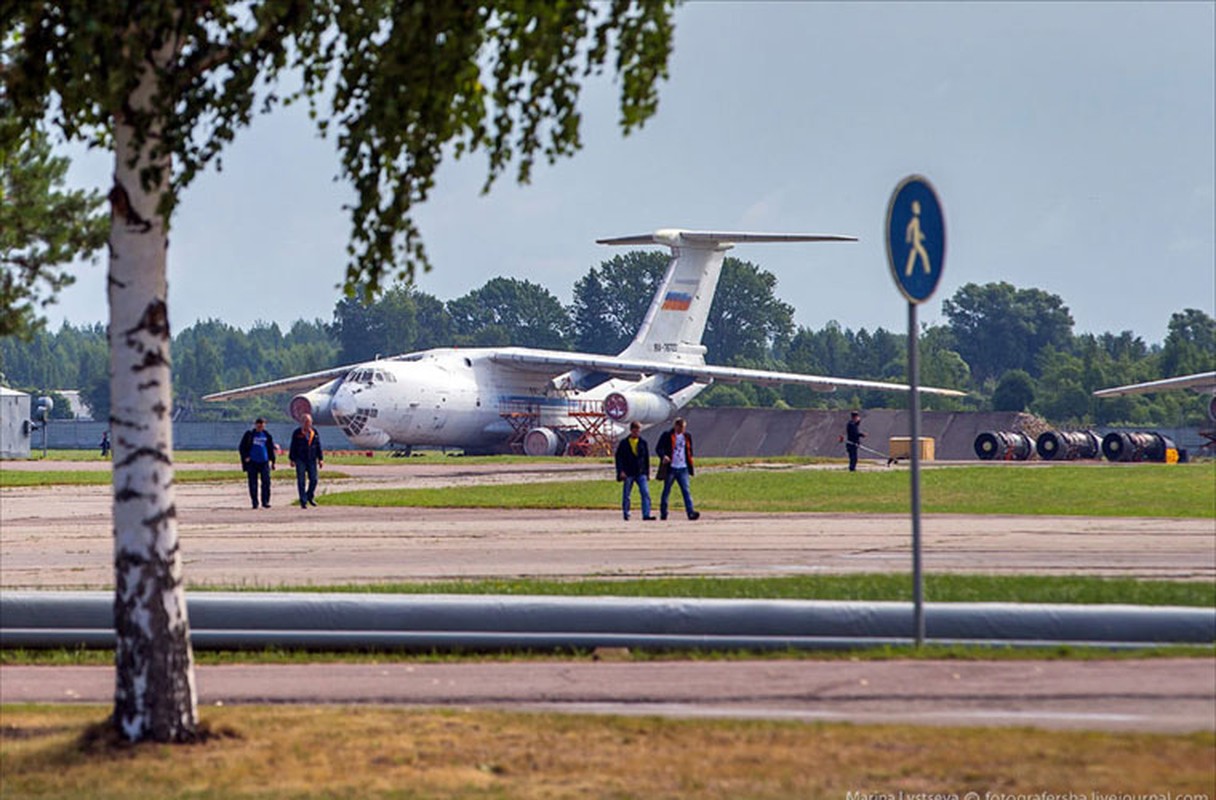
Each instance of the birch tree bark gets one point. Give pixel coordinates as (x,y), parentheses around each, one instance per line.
(154,696)
(168,83)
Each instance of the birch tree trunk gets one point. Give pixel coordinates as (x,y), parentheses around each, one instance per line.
(154,696)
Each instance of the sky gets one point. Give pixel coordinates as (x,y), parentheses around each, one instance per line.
(1072,145)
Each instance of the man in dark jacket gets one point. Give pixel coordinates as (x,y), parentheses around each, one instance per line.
(257,459)
(633,466)
(674,450)
(853,437)
(307,458)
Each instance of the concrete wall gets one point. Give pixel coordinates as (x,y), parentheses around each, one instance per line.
(718,432)
(812,432)
(79,435)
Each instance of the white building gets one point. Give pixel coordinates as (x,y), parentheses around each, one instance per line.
(79,408)
(15,427)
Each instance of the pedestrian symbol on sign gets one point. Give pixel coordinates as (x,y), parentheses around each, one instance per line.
(916,238)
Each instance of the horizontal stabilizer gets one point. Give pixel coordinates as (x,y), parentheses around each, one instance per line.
(672,237)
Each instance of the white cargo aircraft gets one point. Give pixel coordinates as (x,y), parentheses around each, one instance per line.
(1202,382)
(488,399)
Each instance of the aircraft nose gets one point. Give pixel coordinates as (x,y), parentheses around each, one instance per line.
(344,403)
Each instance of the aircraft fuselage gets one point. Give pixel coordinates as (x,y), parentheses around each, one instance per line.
(454,397)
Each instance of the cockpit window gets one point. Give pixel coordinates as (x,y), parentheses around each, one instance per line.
(370,376)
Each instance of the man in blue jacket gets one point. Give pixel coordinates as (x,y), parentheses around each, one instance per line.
(853,437)
(633,466)
(307,458)
(257,459)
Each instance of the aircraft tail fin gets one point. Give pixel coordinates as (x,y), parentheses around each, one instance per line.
(674,323)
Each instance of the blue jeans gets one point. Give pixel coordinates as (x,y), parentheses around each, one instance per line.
(258,470)
(309,469)
(680,476)
(643,490)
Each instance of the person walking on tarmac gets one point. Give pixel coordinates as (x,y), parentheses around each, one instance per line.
(853,437)
(633,466)
(307,458)
(257,459)
(674,450)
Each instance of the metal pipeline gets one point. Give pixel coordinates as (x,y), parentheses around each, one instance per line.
(223,620)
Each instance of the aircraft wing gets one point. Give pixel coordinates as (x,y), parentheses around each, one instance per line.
(310,381)
(296,382)
(1200,382)
(556,362)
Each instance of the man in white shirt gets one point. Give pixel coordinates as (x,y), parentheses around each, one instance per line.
(675,453)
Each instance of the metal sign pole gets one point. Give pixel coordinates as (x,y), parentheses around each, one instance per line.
(916,251)
(918,582)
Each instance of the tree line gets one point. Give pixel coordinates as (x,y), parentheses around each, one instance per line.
(1013,349)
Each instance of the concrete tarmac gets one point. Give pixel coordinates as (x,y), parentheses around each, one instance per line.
(60,538)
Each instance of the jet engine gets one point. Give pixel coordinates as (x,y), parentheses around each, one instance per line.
(316,402)
(544,442)
(644,407)
(1068,445)
(1139,446)
(1003,446)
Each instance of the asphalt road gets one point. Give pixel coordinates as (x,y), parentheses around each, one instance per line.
(1162,695)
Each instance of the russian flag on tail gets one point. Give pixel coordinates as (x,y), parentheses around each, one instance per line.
(677,301)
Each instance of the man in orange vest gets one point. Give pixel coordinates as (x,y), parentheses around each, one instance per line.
(307,458)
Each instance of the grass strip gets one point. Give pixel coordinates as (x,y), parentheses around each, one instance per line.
(1136,490)
(450,754)
(81,657)
(941,588)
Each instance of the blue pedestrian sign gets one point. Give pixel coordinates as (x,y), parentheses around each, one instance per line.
(916,238)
